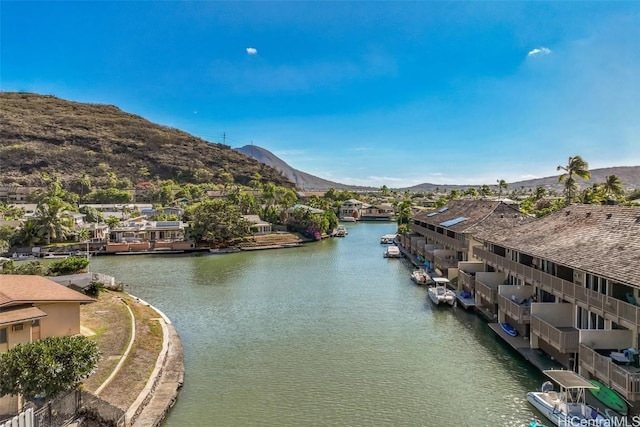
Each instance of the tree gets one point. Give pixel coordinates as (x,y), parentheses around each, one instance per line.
(47,367)
(91,214)
(217,222)
(85,184)
(404,213)
(575,167)
(502,185)
(612,187)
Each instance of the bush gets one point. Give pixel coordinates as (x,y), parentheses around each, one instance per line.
(93,290)
(70,265)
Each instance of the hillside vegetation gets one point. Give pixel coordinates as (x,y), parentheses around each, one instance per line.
(40,133)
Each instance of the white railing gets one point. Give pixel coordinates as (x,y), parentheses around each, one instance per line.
(24,419)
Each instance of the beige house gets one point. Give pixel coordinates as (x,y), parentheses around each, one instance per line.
(579,266)
(31,308)
(350,209)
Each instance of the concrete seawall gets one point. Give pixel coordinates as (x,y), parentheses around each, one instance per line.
(161,391)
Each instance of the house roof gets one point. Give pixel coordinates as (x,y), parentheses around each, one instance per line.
(20,315)
(480,216)
(19,289)
(601,240)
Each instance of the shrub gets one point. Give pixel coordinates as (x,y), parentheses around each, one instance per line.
(70,265)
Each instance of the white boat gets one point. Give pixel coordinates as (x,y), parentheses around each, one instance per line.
(566,407)
(348,219)
(388,239)
(341,231)
(392,251)
(421,277)
(439,294)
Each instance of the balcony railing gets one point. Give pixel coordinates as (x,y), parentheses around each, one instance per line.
(610,307)
(449,242)
(563,339)
(445,261)
(467,281)
(521,313)
(488,292)
(619,378)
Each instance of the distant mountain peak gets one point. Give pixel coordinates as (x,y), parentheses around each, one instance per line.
(301,179)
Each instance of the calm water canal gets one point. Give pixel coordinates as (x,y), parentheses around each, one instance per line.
(330,334)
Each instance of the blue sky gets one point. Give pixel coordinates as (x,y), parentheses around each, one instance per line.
(366,93)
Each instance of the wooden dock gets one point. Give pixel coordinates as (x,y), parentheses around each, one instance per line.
(538,358)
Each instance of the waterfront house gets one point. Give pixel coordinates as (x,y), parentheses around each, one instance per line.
(258,226)
(31,308)
(378,212)
(139,234)
(580,266)
(351,208)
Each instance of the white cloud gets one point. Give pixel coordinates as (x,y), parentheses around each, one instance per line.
(539,51)
(252,50)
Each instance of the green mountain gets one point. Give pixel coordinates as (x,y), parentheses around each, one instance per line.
(40,133)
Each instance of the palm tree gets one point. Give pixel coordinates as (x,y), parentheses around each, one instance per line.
(502,184)
(612,187)
(52,220)
(575,167)
(540,193)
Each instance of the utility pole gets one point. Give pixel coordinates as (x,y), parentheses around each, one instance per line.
(224,138)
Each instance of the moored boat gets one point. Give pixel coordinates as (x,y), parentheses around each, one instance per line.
(566,406)
(439,294)
(388,239)
(421,277)
(508,329)
(392,252)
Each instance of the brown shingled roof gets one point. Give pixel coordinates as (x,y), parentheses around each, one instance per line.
(482,216)
(601,240)
(20,315)
(19,289)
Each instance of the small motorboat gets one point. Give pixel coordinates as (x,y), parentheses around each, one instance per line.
(569,402)
(508,329)
(421,277)
(392,252)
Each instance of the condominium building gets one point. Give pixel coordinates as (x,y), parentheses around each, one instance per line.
(570,282)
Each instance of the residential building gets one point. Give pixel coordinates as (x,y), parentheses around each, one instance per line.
(444,237)
(579,267)
(258,226)
(378,212)
(351,208)
(31,308)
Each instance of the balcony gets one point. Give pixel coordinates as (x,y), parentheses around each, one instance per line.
(433,236)
(444,262)
(623,379)
(487,291)
(467,280)
(611,308)
(564,339)
(518,312)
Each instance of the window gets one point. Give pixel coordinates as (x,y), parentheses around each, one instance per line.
(3,335)
(35,322)
(16,328)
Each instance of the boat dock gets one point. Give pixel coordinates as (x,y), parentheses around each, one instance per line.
(465,301)
(521,344)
